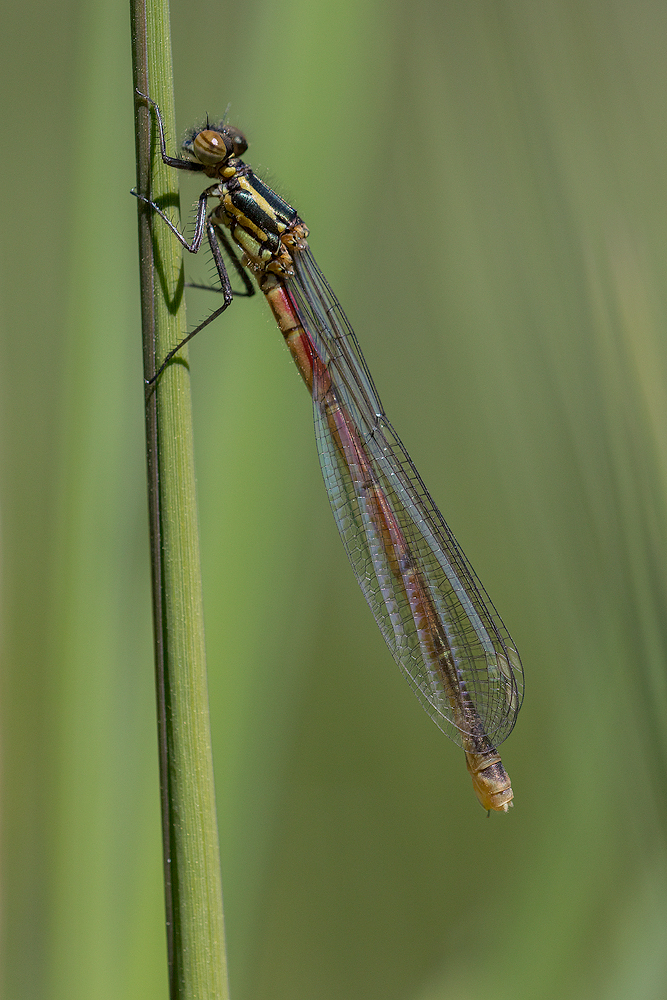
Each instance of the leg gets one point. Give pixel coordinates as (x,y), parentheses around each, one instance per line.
(171,161)
(249,288)
(200,220)
(201,224)
(227,292)
(179,164)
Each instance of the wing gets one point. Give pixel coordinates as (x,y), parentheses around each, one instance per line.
(432,610)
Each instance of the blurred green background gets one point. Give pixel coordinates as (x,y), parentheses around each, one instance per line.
(485,187)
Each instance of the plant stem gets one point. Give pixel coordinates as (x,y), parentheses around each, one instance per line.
(195,926)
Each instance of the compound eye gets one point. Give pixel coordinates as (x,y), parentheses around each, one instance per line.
(239,141)
(210,147)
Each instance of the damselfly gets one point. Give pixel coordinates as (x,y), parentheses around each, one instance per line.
(432,610)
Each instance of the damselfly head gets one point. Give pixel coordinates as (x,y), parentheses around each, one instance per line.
(212,146)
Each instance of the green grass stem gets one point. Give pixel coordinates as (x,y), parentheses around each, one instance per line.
(192,862)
